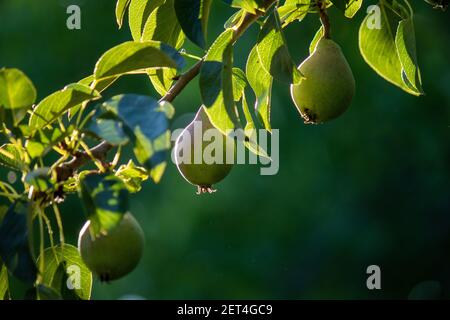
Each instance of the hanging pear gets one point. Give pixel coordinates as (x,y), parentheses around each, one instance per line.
(202,160)
(328,87)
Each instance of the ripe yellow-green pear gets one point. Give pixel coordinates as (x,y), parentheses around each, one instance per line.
(328,87)
(190,153)
(113,255)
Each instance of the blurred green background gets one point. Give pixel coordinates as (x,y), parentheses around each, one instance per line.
(372,187)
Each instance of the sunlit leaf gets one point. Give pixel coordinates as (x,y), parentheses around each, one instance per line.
(261,83)
(16,89)
(168,32)
(216,83)
(274,54)
(53,106)
(137,57)
(389,47)
(12,156)
(132,176)
(121,8)
(66,273)
(349,7)
(138,13)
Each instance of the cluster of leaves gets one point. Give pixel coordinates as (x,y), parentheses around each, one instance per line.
(65,123)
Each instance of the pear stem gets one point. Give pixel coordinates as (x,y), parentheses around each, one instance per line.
(325,22)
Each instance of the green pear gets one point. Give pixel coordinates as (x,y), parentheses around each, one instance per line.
(328,87)
(114,254)
(190,154)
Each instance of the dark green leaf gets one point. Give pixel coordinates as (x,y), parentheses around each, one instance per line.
(105,200)
(216,83)
(273,52)
(193,18)
(16,89)
(137,57)
(14,243)
(145,121)
(53,106)
(261,83)
(66,273)
(426,290)
(105,126)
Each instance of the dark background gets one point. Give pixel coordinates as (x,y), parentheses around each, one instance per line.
(371,187)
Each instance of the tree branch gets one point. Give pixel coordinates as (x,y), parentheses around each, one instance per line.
(67,169)
(324,20)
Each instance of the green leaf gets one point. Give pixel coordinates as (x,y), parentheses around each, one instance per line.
(99,85)
(66,273)
(105,126)
(162,79)
(138,14)
(132,176)
(239,83)
(193,17)
(137,57)
(121,8)
(14,244)
(317,37)
(405,42)
(349,7)
(168,32)
(274,54)
(16,89)
(105,200)
(385,52)
(45,140)
(293,10)
(234,20)
(53,106)
(145,122)
(4,282)
(261,83)
(216,83)
(250,130)
(12,156)
(39,179)
(250,6)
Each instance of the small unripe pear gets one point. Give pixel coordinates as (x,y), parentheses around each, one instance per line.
(328,87)
(115,254)
(193,166)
